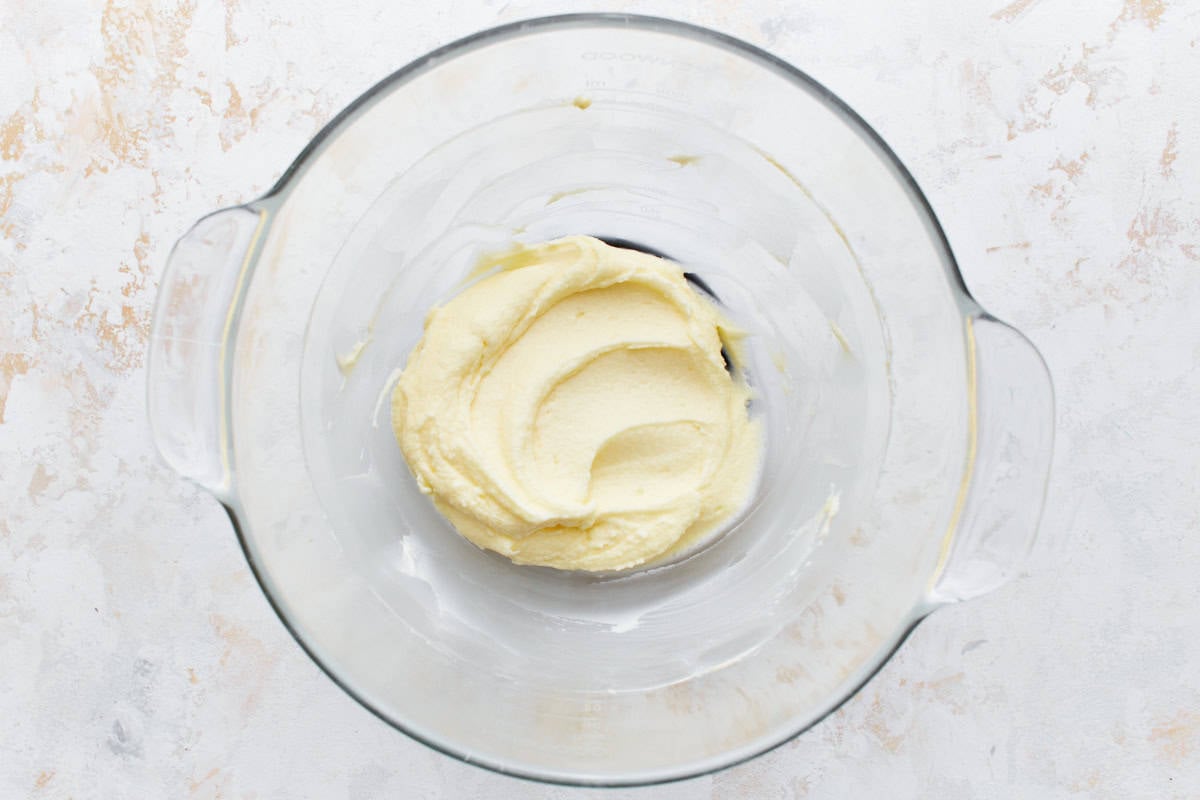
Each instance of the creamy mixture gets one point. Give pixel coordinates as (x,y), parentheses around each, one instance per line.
(574,410)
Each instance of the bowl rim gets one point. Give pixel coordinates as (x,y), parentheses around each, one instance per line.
(278,193)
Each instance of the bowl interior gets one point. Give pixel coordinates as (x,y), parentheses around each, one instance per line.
(665,181)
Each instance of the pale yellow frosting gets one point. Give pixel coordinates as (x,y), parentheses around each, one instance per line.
(574,410)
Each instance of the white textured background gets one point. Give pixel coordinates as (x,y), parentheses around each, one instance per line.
(1059,140)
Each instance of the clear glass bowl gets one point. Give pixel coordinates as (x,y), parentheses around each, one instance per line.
(908,434)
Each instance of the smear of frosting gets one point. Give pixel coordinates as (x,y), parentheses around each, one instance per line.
(574,410)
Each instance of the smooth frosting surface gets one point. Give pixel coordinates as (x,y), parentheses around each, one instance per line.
(574,410)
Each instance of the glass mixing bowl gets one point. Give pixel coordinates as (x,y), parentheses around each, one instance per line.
(908,433)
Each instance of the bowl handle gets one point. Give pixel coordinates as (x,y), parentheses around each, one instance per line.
(188,362)
(1004,486)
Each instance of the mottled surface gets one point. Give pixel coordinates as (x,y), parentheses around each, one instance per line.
(1060,143)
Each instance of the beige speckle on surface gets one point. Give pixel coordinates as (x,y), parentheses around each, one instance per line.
(1177,738)
(1167,160)
(1059,143)
(1013,10)
(12,137)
